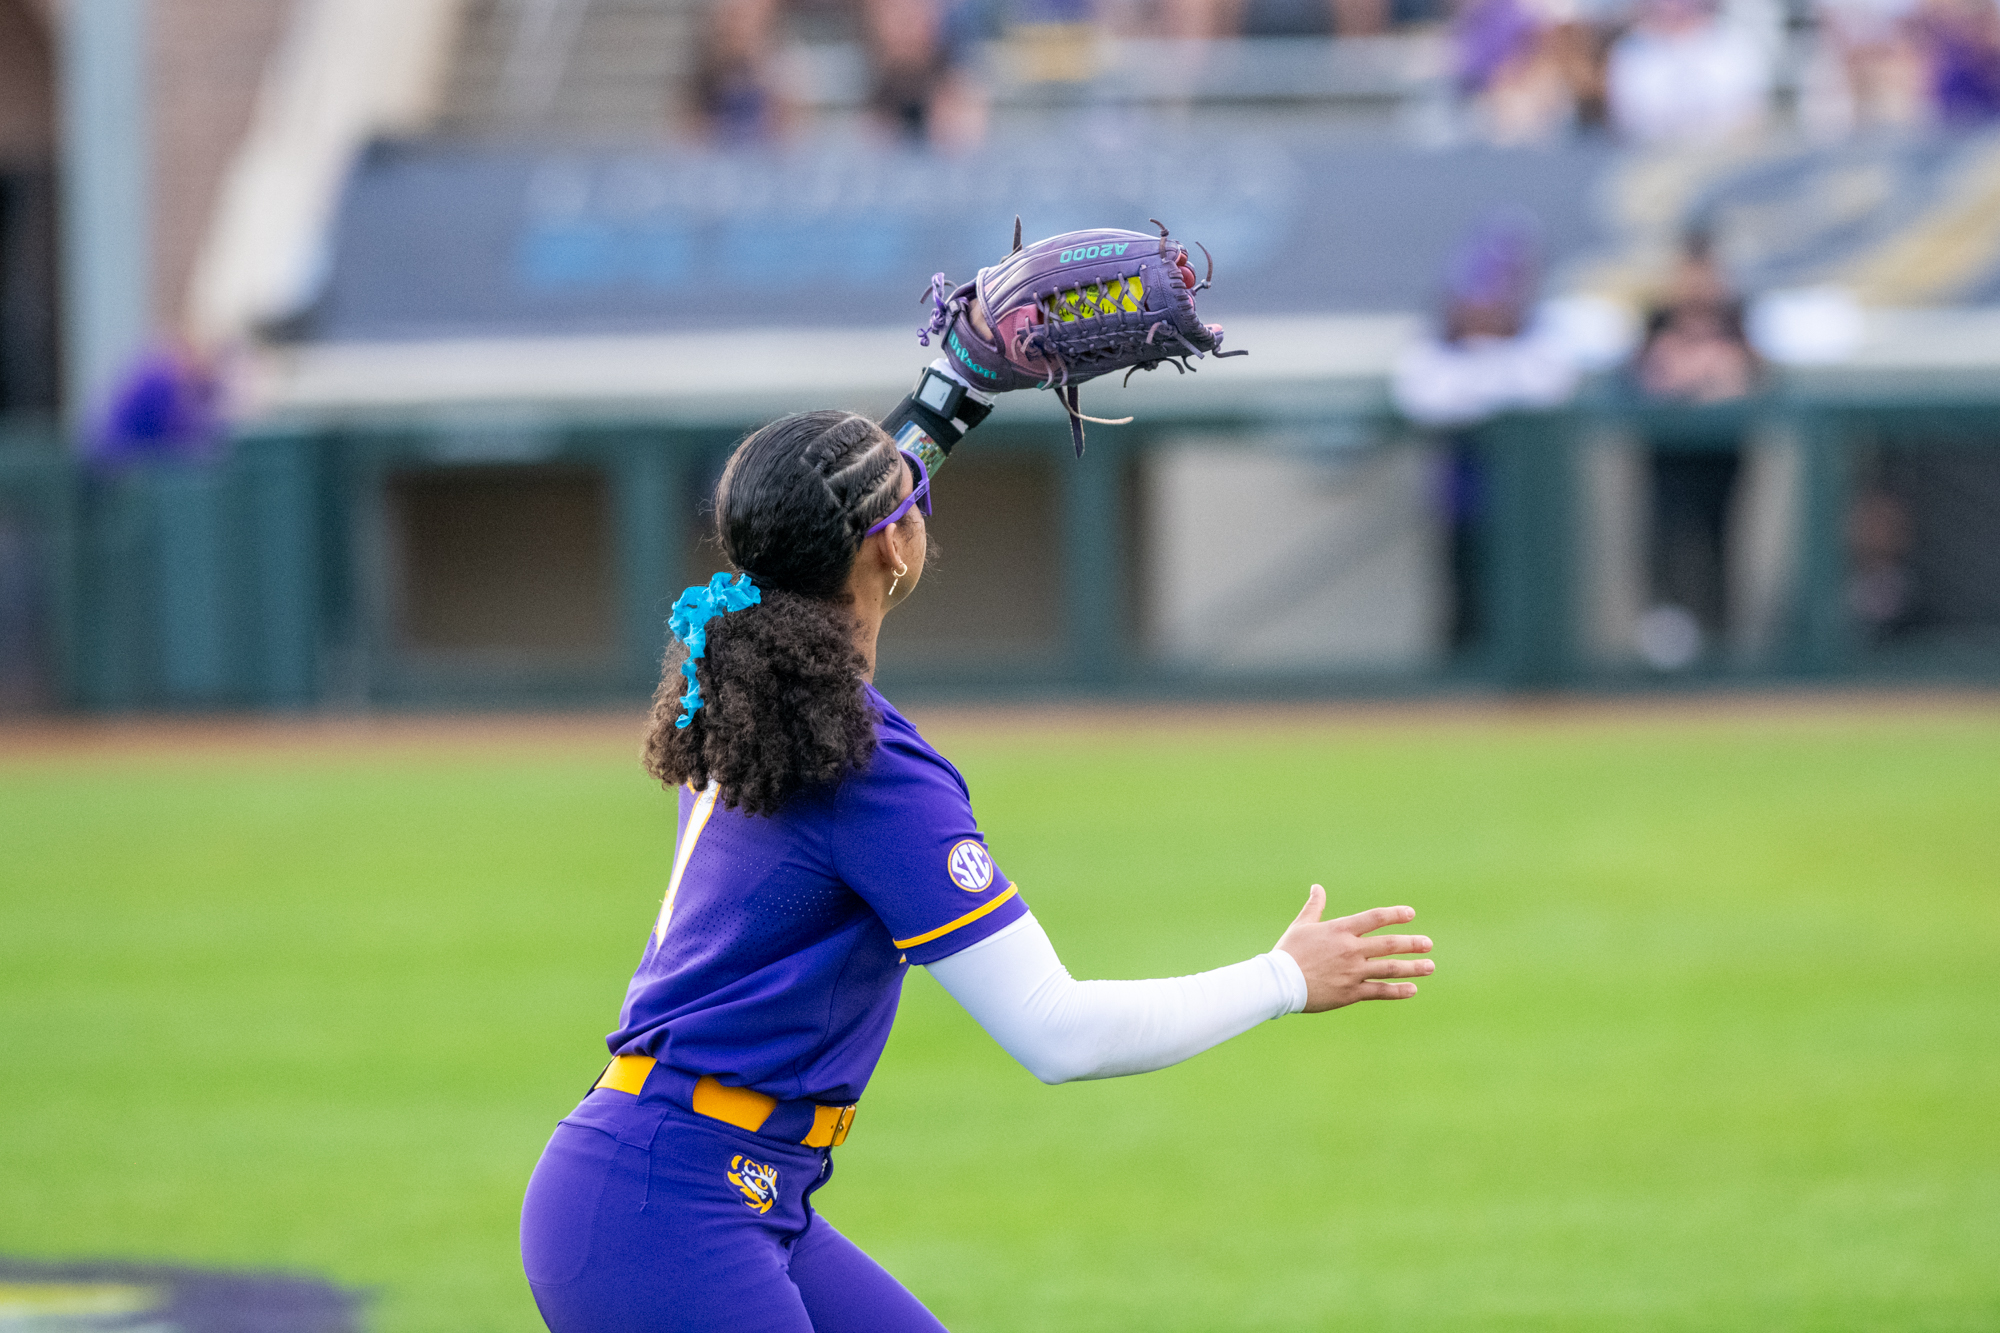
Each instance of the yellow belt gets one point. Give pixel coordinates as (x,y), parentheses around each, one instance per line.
(744,1108)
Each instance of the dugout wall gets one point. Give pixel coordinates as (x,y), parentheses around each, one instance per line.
(37,567)
(493,565)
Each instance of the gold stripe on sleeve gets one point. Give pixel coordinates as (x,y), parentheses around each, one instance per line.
(950,926)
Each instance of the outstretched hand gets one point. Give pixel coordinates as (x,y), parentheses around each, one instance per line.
(1344,963)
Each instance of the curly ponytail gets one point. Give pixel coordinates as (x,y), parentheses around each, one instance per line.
(781,680)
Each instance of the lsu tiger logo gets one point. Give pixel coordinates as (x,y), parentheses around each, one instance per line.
(969,866)
(757,1183)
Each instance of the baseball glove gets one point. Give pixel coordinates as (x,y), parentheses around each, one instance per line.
(1068,309)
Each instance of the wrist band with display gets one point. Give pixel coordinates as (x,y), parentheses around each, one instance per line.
(935,416)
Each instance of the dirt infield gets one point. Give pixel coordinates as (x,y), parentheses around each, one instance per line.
(610,732)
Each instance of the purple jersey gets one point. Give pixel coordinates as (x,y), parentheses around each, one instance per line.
(781,945)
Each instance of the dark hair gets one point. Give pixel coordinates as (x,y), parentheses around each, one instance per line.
(782,708)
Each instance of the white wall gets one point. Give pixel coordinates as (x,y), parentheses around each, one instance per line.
(1288,559)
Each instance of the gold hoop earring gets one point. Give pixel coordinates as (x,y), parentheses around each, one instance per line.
(902,570)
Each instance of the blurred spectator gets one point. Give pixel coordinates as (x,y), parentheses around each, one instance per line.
(1193,20)
(1693,490)
(1879,76)
(1695,352)
(1196,19)
(1695,349)
(1310,18)
(1531,69)
(1880,588)
(1488,36)
(920,89)
(1961,44)
(167,407)
(957,115)
(1510,64)
(1360,18)
(1924,543)
(1579,44)
(733,86)
(1502,68)
(1487,358)
(1682,75)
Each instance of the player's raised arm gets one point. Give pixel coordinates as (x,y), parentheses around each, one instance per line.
(1061,1029)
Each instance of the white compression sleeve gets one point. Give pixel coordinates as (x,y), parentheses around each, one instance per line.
(1062,1029)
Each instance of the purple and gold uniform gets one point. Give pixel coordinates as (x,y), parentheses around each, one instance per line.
(677,1195)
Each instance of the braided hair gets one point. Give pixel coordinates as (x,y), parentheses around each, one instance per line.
(781,680)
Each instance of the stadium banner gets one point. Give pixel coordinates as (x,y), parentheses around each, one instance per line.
(441,239)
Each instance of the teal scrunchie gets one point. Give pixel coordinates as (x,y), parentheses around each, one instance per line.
(689,622)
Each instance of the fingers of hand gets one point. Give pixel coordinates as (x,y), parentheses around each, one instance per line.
(1385,990)
(1398,967)
(1375,946)
(1376,918)
(1315,905)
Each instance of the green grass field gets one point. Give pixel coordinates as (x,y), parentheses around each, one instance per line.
(1714,1042)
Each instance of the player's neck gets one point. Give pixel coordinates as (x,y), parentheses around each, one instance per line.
(867,629)
(870,593)
(868,600)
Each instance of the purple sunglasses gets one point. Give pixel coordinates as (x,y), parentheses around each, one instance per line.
(920,495)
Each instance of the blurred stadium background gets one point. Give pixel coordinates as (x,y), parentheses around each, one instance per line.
(366,359)
(360,353)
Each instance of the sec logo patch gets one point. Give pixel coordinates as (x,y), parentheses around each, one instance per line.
(969,866)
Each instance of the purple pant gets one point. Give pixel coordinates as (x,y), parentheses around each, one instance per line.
(642,1218)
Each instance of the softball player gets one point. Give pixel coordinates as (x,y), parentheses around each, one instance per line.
(825,848)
